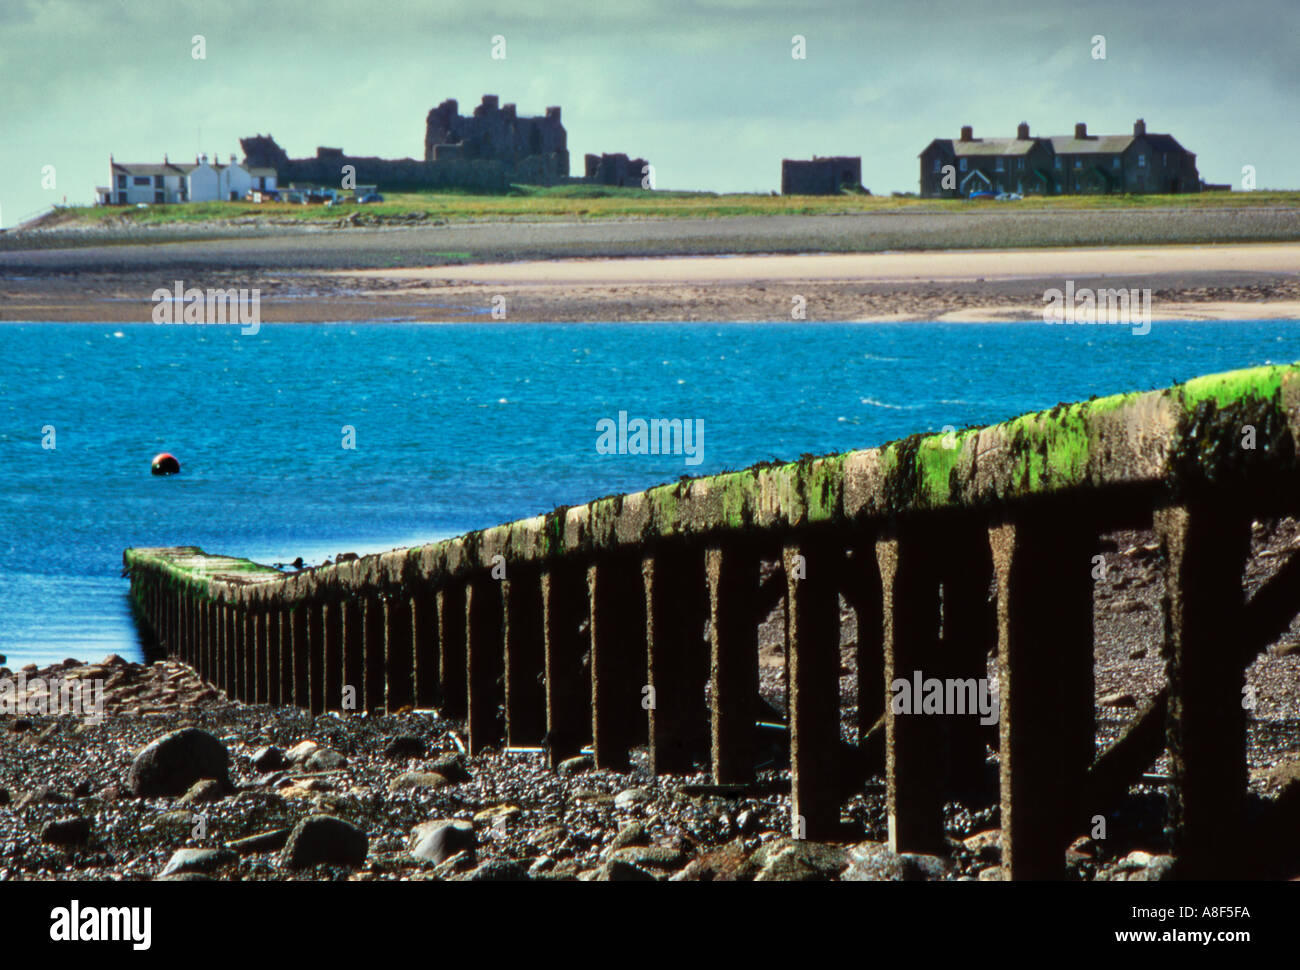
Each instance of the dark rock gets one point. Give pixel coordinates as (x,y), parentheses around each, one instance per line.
(405,746)
(410,780)
(19,725)
(74,830)
(616,870)
(650,857)
(498,870)
(42,795)
(1139,867)
(83,788)
(173,763)
(320,839)
(326,759)
(796,860)
(633,833)
(268,759)
(575,766)
(452,767)
(197,860)
(271,841)
(4,796)
(727,863)
(439,840)
(202,792)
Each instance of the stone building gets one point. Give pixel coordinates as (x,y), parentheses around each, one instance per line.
(821,176)
(487,151)
(616,170)
(1057,165)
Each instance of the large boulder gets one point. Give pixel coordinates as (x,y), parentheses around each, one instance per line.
(173,763)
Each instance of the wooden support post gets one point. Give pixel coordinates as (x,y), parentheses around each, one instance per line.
(274,658)
(677,610)
(211,641)
(399,662)
(525,657)
(451,649)
(352,663)
(568,692)
(249,630)
(332,655)
(372,622)
(863,591)
(424,636)
(813,569)
(1043,561)
(230,675)
(618,667)
(913,739)
(967,637)
(315,656)
(484,648)
(299,654)
(1206,546)
(260,666)
(732,572)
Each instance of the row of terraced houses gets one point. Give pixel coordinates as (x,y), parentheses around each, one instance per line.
(1058,164)
(203,181)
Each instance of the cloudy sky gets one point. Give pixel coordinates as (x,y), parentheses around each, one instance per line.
(708,91)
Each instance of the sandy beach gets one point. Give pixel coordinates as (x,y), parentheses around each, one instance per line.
(1238,281)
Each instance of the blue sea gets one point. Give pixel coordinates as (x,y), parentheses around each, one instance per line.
(455,427)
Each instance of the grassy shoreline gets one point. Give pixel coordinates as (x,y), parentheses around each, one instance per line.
(568,202)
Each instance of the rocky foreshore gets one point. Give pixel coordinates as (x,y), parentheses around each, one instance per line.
(170,780)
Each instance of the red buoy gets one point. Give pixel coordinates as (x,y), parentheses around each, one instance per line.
(165,464)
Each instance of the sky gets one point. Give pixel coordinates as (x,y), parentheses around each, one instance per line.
(708,92)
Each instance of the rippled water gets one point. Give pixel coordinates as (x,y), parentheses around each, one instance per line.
(463,426)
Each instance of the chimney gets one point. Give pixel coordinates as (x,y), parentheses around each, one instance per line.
(553,114)
(165,162)
(1080,131)
(1022,131)
(490,102)
(232,159)
(967,133)
(1139,127)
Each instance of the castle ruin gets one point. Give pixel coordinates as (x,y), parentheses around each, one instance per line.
(487,151)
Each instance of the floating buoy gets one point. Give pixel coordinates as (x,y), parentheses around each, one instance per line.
(165,464)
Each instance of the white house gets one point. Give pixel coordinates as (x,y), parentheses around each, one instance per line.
(170,182)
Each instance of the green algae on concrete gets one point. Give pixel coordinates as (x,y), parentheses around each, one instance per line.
(1191,433)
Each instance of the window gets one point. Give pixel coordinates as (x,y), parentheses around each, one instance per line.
(963,164)
(160,197)
(1115,164)
(1020,163)
(121,181)
(1000,166)
(935,169)
(1142,161)
(1058,164)
(140,180)
(157,181)
(1164,159)
(1078,163)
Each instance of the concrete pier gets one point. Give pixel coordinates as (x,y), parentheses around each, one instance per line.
(633,620)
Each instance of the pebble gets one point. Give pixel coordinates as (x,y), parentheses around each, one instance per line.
(575,766)
(630,798)
(203,792)
(326,759)
(197,860)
